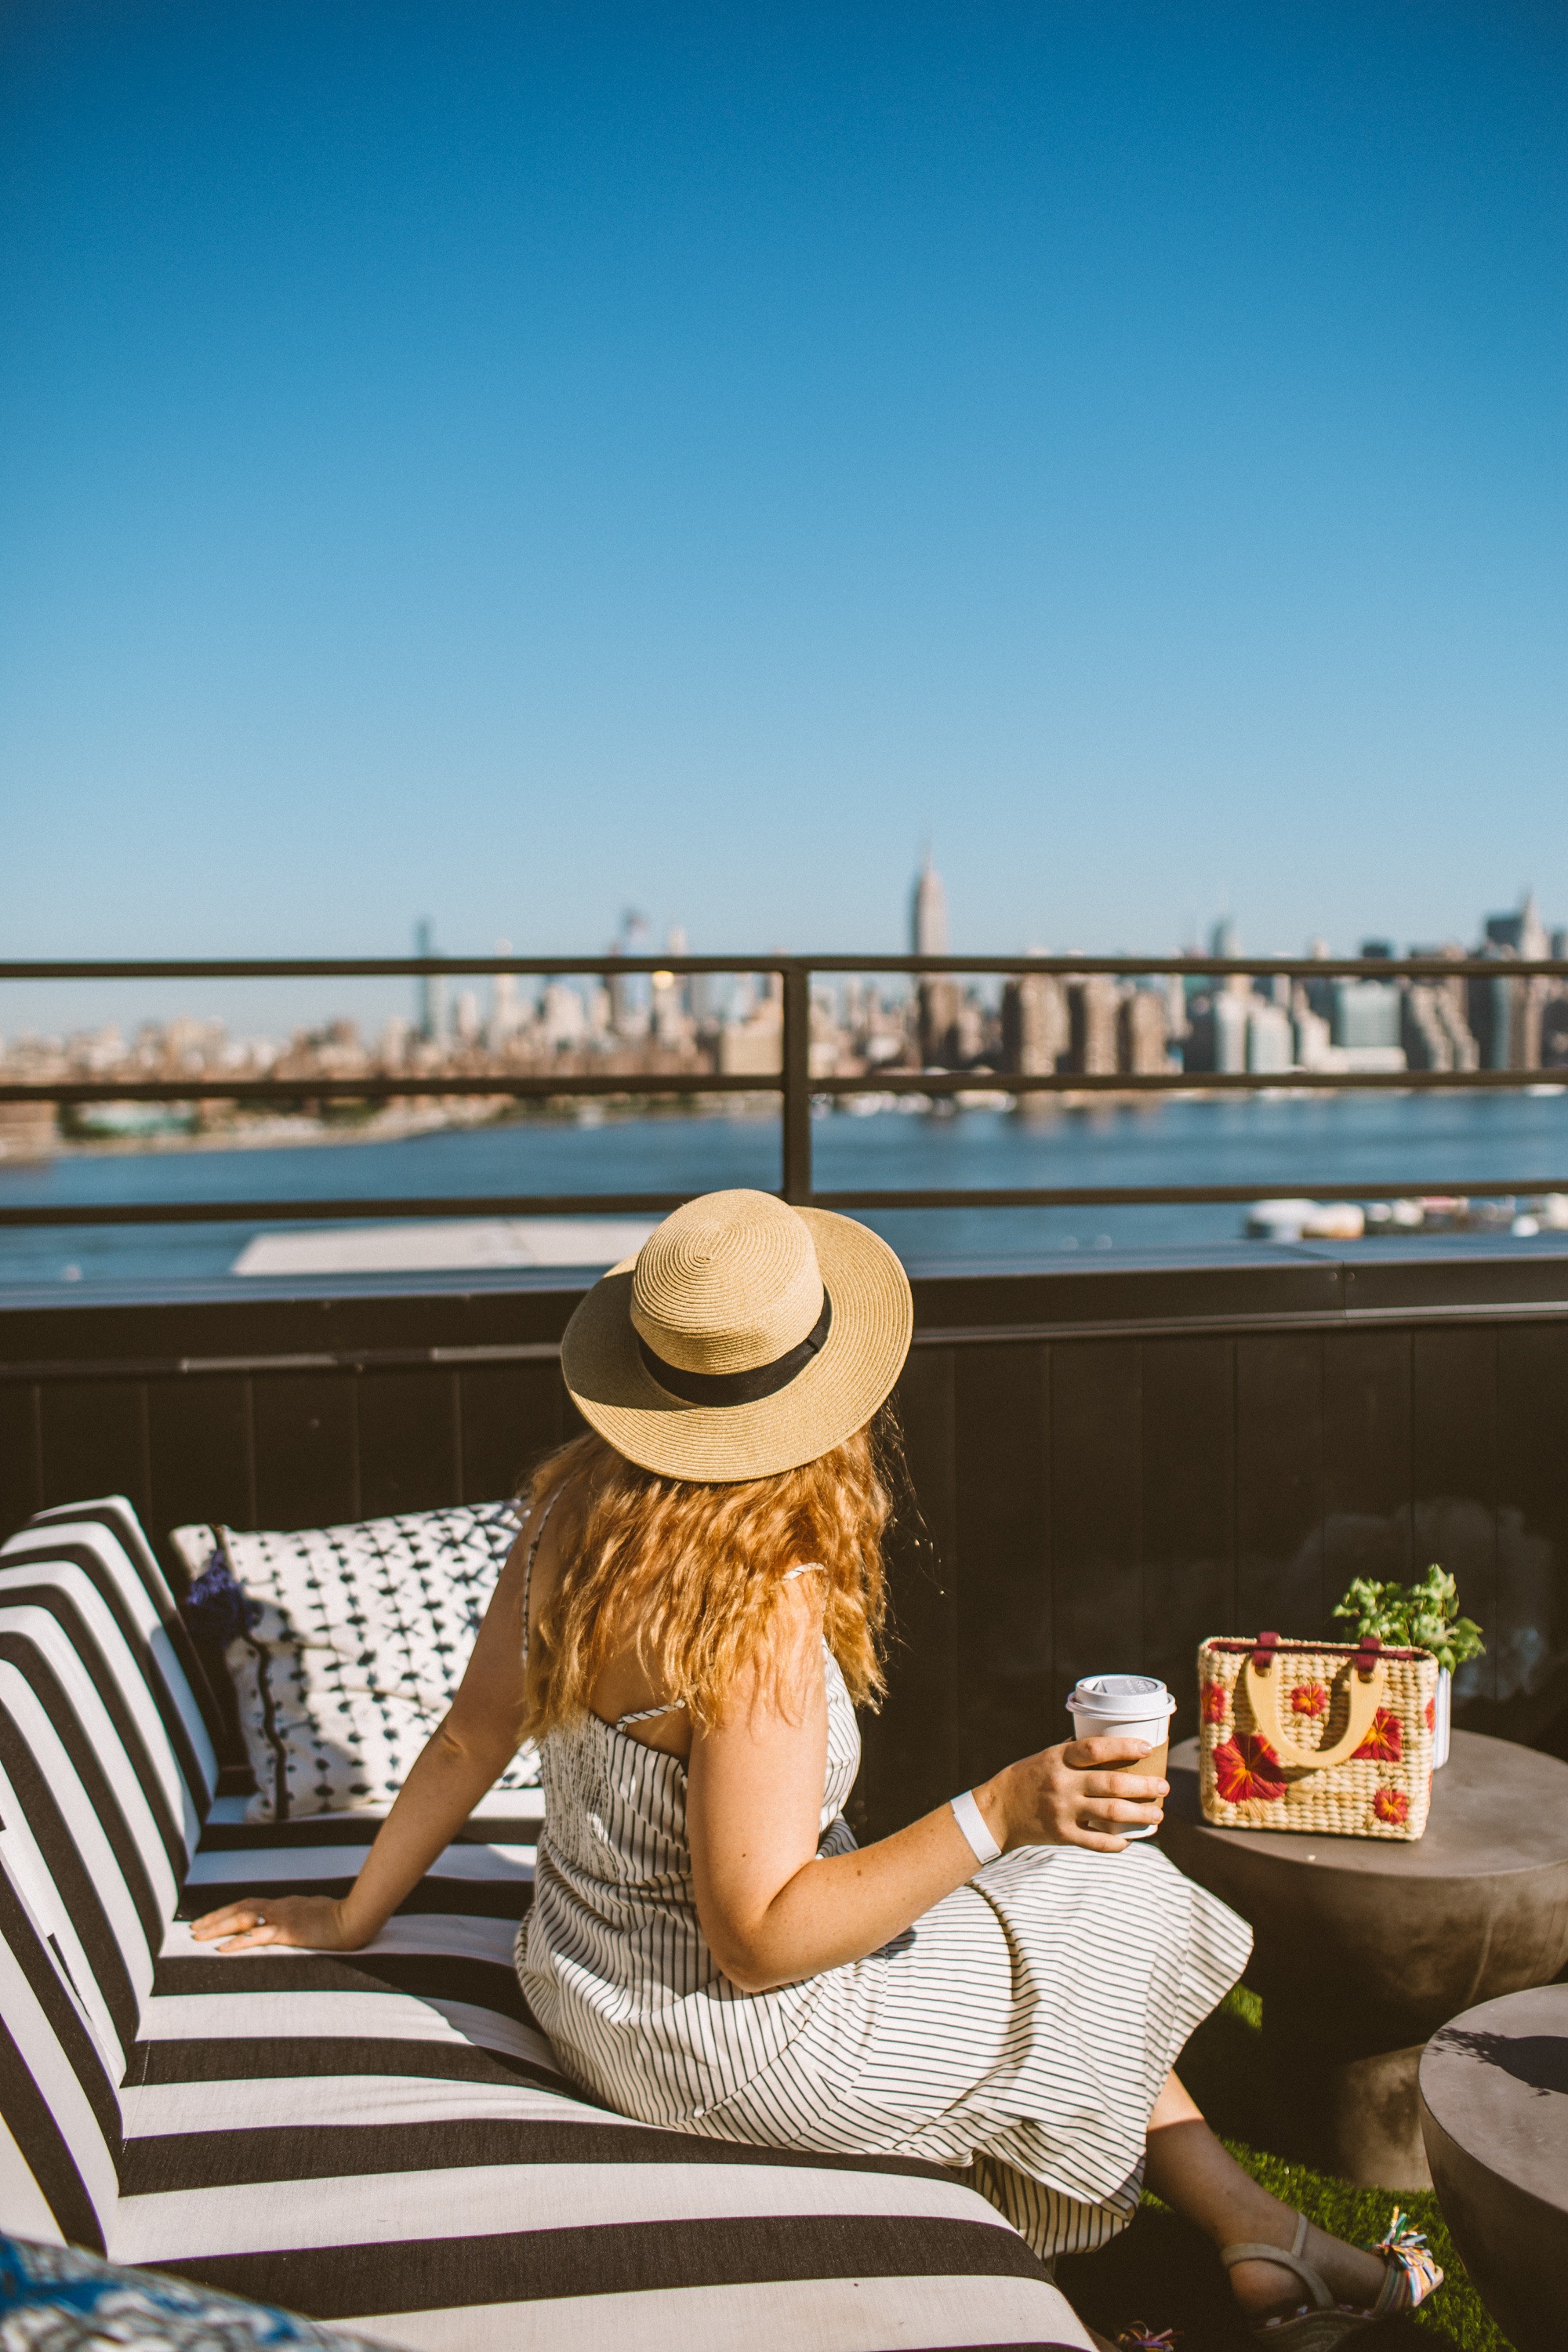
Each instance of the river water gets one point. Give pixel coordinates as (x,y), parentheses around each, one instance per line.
(1357,1142)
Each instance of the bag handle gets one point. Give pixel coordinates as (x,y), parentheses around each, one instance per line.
(1263,1691)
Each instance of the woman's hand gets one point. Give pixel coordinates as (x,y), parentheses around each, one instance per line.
(771,1909)
(462,1758)
(1073,1795)
(311,1923)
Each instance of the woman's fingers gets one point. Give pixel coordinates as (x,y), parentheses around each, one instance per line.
(1113,1801)
(1089,1755)
(250,1938)
(1090,1789)
(243,1932)
(288,1920)
(225,1919)
(1137,1787)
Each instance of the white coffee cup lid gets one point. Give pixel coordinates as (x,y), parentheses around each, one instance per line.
(1094,1687)
(1122,1698)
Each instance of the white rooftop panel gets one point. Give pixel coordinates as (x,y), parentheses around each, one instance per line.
(436,1247)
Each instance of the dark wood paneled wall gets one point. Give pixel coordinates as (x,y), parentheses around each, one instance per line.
(278,1449)
(1104,1504)
(1105,1470)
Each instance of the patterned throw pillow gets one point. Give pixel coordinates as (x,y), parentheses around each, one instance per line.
(54,2299)
(345,1646)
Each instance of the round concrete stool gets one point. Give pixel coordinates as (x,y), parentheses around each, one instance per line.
(1363,1947)
(1494,2109)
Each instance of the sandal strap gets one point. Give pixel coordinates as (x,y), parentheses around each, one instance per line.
(1413,2271)
(1255,2251)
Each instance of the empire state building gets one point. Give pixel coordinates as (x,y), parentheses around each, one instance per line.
(928,912)
(938,994)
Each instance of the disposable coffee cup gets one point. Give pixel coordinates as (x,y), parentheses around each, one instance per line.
(1126,1707)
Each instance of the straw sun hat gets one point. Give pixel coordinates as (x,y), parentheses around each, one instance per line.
(745,1338)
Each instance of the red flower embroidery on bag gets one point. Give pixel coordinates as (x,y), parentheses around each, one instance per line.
(1309,1698)
(1215,1703)
(1246,1767)
(1431,1715)
(1392,1805)
(1384,1743)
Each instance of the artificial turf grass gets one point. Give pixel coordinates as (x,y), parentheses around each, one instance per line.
(1161,2273)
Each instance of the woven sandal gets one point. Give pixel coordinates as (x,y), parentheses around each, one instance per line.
(1411,2277)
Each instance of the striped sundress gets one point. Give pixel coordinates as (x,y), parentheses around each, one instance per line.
(1020,2031)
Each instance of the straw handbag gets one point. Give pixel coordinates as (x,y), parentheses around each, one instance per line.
(1317,1735)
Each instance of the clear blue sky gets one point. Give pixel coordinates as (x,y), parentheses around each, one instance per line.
(503,462)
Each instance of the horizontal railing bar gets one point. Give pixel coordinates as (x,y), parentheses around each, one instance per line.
(531,1087)
(612,967)
(1345,1315)
(1125,967)
(1180,1082)
(349,1361)
(1139,1196)
(387,967)
(341,1359)
(252,1212)
(587,1204)
(537,1088)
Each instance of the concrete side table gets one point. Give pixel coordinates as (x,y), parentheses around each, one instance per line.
(1365,1946)
(1494,2110)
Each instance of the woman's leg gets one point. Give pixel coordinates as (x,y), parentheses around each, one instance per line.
(1188,2168)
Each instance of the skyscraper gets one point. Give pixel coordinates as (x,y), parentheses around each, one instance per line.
(1035,1030)
(939,996)
(928,912)
(432,988)
(628,993)
(1524,932)
(506,1010)
(669,997)
(1506,1013)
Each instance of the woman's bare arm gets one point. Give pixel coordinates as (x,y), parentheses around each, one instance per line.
(772,1913)
(482,1731)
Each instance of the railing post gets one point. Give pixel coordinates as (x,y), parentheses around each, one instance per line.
(797,1048)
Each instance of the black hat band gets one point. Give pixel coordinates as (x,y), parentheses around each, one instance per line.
(749,1387)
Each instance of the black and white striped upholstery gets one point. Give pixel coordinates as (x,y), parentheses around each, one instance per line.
(381,2139)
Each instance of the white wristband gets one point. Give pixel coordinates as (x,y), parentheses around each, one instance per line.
(972,1821)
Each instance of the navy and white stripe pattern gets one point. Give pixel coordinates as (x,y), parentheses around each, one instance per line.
(351,1645)
(383,2139)
(967,2041)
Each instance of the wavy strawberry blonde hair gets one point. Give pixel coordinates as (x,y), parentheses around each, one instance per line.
(693,1573)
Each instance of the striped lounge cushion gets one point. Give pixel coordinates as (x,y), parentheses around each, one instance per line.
(383,2139)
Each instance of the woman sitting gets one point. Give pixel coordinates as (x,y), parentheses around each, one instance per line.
(685,1625)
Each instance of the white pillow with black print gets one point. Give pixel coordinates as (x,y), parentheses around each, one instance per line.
(345,1646)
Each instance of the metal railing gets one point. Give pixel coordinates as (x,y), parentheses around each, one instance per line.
(792,1081)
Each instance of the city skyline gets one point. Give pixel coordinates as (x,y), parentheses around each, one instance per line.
(57,1008)
(642,1025)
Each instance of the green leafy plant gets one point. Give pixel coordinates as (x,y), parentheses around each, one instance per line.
(1421,1616)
